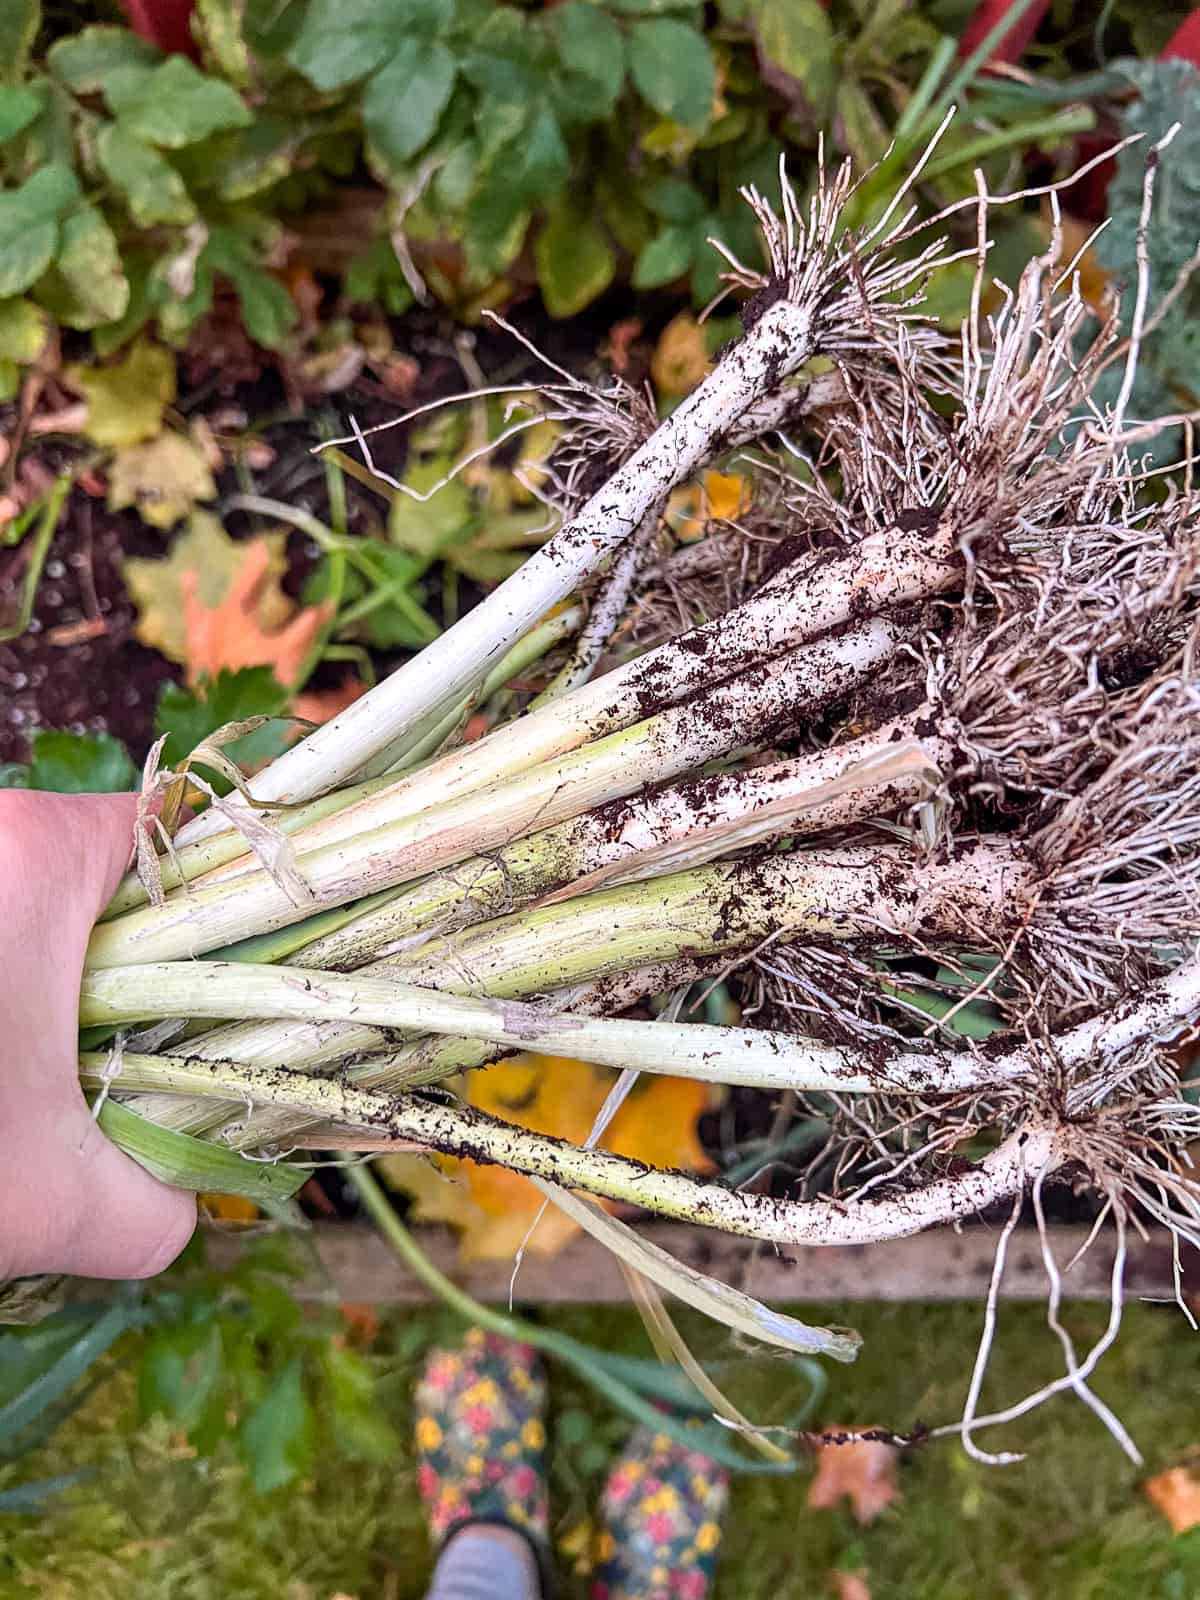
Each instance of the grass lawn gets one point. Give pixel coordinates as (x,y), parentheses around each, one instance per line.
(1067,1523)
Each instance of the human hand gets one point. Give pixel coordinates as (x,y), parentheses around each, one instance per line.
(70,1201)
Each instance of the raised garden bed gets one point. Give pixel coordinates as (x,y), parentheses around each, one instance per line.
(357,1264)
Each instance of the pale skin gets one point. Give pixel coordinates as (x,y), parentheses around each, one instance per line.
(70,1201)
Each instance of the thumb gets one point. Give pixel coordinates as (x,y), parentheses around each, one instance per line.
(100,1215)
(103,825)
(77,1203)
(136,1225)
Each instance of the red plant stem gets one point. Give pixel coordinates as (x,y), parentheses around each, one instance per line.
(166,23)
(1089,198)
(1012,45)
(1184,43)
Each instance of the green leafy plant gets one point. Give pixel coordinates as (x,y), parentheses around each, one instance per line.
(1168,378)
(218,1353)
(188,716)
(141,187)
(72,763)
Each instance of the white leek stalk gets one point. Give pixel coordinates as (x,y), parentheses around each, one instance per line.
(205,918)
(777,346)
(753,1057)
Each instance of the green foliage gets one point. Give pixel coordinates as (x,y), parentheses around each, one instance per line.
(572,142)
(30,218)
(1068,1521)
(277,1436)
(107,139)
(672,67)
(200,1164)
(1168,380)
(575,261)
(188,716)
(172,105)
(218,1355)
(73,763)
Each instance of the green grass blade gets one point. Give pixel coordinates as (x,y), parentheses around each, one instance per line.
(187,1163)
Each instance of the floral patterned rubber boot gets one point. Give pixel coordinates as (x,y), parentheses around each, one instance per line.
(481,1440)
(662,1511)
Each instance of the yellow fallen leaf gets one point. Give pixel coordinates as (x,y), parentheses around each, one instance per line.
(228,1207)
(493,1207)
(576,1547)
(125,401)
(1094,282)
(862,1471)
(727,495)
(1176,1493)
(718,497)
(681,356)
(162,479)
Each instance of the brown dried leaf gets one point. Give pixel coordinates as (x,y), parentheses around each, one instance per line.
(862,1471)
(1176,1493)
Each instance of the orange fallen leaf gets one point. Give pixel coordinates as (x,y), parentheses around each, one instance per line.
(726,494)
(230,634)
(862,1471)
(1176,1493)
(215,605)
(318,705)
(492,1207)
(306,293)
(203,548)
(850,1585)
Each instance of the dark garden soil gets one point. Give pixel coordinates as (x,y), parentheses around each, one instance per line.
(79,666)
